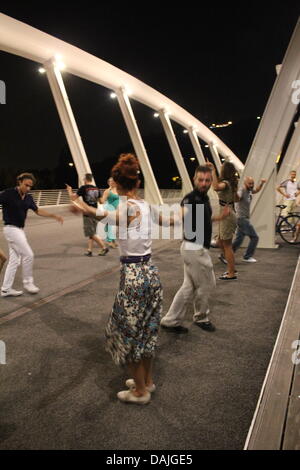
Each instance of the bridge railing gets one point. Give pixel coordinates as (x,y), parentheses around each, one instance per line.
(58,197)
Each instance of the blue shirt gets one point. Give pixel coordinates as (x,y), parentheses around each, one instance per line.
(14,208)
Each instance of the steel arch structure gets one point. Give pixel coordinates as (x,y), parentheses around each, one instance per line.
(21,39)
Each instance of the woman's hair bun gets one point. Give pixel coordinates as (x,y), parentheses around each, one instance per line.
(128,165)
(126,171)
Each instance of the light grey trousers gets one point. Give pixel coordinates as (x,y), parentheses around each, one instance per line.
(198,285)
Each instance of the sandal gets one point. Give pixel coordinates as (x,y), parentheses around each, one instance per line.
(225,277)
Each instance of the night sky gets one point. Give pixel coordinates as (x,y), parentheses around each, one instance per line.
(217,62)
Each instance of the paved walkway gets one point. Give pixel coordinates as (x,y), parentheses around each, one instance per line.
(58,388)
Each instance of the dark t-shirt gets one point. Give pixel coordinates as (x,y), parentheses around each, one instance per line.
(90,194)
(197,229)
(14,208)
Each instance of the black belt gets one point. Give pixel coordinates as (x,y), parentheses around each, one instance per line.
(224,203)
(135,259)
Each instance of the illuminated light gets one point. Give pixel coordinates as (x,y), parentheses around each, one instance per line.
(113,95)
(185,131)
(278,158)
(42,70)
(60,65)
(71,164)
(258,117)
(192,158)
(59,62)
(156,115)
(221,125)
(206,145)
(175,178)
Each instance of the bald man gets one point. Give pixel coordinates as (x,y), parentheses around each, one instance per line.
(244,227)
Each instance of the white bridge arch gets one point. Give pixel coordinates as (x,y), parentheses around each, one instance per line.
(21,39)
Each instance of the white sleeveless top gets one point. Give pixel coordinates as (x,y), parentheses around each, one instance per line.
(135,240)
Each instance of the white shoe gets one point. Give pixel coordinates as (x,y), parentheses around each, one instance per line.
(31,288)
(129,397)
(11,292)
(250,260)
(130,383)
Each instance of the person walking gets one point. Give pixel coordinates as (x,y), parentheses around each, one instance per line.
(110,199)
(226,186)
(244,226)
(90,195)
(132,329)
(15,204)
(199,279)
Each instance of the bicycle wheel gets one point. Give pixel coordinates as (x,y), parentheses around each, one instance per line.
(287,229)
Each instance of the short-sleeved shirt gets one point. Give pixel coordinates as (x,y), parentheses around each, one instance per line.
(291,187)
(191,224)
(14,208)
(242,207)
(90,194)
(226,195)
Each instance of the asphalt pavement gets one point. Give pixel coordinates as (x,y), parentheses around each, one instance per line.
(58,386)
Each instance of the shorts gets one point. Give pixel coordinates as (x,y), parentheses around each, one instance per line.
(227,226)
(89,226)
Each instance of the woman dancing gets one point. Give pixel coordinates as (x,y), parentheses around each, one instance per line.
(132,329)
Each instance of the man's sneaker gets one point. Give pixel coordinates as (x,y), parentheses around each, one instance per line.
(103,252)
(88,253)
(11,292)
(250,260)
(31,288)
(175,329)
(206,325)
(222,258)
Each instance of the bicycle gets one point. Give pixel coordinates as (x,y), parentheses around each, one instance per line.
(288,227)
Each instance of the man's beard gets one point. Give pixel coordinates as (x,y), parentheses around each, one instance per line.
(203,190)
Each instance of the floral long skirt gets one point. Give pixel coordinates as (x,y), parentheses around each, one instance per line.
(132,329)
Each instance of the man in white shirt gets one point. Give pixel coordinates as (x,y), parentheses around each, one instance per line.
(289,190)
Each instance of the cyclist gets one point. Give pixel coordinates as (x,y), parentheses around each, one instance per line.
(289,189)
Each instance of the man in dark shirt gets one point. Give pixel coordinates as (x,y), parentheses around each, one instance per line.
(90,195)
(15,204)
(199,279)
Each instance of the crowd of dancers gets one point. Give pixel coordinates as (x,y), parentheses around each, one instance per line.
(134,322)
